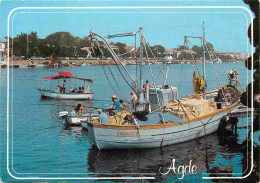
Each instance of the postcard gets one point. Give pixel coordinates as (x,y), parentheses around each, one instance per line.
(129,91)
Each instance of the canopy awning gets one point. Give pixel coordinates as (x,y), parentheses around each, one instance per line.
(62,75)
(51,77)
(65,74)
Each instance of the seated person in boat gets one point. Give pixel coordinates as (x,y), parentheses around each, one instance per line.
(63,89)
(71,89)
(103,118)
(115,107)
(77,111)
(57,90)
(84,90)
(80,90)
(123,105)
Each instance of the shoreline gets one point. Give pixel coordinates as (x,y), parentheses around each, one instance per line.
(50,63)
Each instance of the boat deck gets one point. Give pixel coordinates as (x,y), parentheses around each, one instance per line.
(190,107)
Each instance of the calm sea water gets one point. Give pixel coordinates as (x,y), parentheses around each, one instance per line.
(40,146)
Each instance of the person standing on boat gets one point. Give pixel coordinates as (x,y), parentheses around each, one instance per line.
(116,105)
(63,87)
(134,97)
(103,118)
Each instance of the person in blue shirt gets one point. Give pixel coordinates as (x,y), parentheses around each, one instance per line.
(103,118)
(116,105)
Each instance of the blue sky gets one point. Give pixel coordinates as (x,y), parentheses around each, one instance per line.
(225,28)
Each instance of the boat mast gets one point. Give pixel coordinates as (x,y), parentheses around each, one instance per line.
(141,94)
(204,59)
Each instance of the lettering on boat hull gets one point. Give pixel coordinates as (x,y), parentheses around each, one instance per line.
(126,134)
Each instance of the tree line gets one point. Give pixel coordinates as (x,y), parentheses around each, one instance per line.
(64,44)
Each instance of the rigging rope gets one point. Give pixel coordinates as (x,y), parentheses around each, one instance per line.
(167,81)
(221,64)
(113,77)
(193,56)
(114,59)
(180,78)
(217,76)
(111,83)
(158,98)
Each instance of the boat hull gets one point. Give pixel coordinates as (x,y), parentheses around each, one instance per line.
(74,120)
(152,136)
(73,96)
(84,125)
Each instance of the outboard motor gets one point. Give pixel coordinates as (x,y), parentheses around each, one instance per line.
(63,114)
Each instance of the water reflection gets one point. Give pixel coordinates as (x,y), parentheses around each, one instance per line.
(150,160)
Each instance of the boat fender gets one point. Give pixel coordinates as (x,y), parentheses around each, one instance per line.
(195,82)
(201,83)
(63,113)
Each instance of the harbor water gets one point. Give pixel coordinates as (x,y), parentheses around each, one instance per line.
(40,146)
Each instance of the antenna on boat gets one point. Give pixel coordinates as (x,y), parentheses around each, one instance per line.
(204,59)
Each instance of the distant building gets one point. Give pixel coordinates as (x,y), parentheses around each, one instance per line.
(129,48)
(3,53)
(243,55)
(233,55)
(2,50)
(88,49)
(171,54)
(114,47)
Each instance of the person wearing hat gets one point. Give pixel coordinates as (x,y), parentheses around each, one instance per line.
(116,105)
(103,118)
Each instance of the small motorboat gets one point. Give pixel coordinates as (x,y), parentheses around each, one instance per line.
(84,92)
(77,120)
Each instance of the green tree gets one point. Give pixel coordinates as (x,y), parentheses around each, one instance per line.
(158,51)
(33,44)
(210,46)
(182,47)
(199,51)
(60,44)
(20,45)
(121,47)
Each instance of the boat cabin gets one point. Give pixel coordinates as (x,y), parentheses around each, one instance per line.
(162,95)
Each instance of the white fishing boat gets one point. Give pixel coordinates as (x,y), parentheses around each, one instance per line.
(60,91)
(155,135)
(175,120)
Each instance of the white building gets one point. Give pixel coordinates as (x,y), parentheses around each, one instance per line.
(2,50)
(2,53)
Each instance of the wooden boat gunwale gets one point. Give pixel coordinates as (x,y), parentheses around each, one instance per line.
(163,125)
